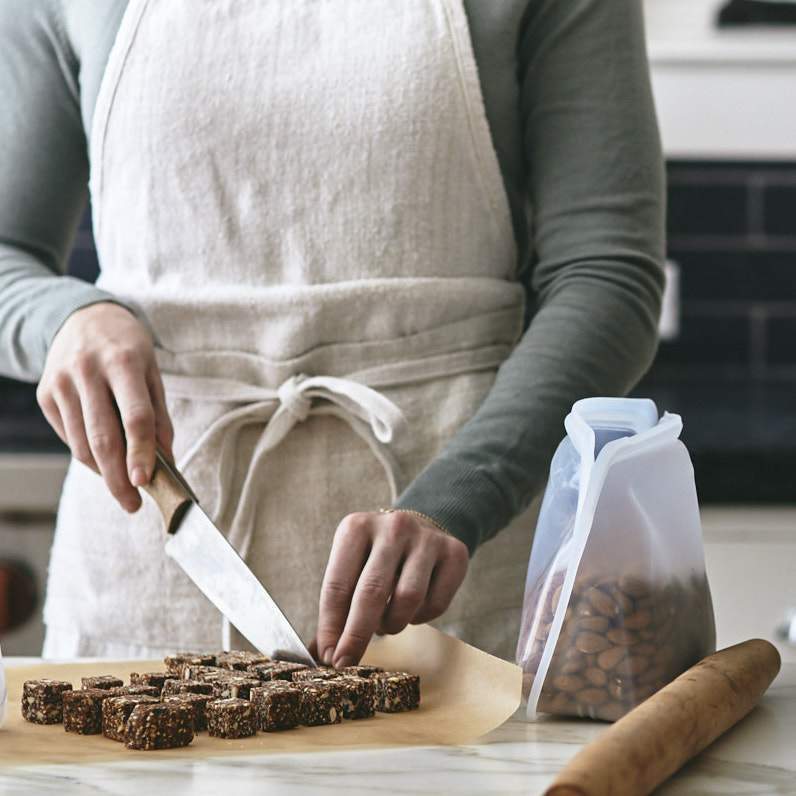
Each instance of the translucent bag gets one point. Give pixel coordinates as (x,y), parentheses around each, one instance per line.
(617,602)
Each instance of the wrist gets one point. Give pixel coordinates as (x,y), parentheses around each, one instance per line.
(95,305)
(420,515)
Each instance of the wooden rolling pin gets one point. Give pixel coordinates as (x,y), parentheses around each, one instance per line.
(652,741)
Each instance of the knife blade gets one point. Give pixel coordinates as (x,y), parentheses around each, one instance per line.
(214,565)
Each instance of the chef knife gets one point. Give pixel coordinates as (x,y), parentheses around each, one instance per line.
(213,564)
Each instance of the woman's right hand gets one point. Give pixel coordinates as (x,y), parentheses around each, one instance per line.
(101,356)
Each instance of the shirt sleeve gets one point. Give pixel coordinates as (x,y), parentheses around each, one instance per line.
(596,181)
(43,174)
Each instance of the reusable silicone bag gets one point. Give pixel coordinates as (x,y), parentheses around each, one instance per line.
(617,602)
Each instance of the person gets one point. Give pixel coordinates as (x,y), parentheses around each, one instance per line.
(357,260)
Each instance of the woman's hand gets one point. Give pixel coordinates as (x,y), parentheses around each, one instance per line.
(385,571)
(103,358)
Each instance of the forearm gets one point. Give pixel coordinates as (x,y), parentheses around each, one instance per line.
(592,340)
(43,176)
(34,303)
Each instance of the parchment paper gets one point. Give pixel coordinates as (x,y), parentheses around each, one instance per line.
(465,693)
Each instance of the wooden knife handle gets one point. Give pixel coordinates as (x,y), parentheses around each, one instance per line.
(170,491)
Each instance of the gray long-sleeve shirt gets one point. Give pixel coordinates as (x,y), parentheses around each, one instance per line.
(567,95)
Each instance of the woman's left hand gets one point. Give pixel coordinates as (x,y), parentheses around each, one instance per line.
(385,571)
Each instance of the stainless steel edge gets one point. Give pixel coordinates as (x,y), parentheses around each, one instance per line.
(224,578)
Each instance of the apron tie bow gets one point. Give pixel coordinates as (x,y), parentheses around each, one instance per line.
(374,418)
(292,398)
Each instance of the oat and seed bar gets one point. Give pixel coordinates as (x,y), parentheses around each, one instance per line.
(321,702)
(230,718)
(396,691)
(235,687)
(102,681)
(42,700)
(115,712)
(260,670)
(159,726)
(83,710)
(206,674)
(361,670)
(240,660)
(315,674)
(277,705)
(177,686)
(282,670)
(176,662)
(358,696)
(198,705)
(135,690)
(155,679)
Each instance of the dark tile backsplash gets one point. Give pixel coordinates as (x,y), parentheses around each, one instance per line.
(732,231)
(782,345)
(779,206)
(699,207)
(731,373)
(725,275)
(708,339)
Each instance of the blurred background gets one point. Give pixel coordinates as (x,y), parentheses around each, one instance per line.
(724,77)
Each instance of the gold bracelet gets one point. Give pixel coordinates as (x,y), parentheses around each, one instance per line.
(418,514)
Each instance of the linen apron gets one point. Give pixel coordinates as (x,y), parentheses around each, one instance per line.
(302,200)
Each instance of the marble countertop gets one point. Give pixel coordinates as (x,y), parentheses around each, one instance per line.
(756,757)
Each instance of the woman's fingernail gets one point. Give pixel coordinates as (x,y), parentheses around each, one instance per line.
(327,656)
(139,476)
(344,661)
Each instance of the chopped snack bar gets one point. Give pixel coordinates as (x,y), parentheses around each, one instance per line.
(102,681)
(198,705)
(155,679)
(83,710)
(230,694)
(282,670)
(206,674)
(261,670)
(361,670)
(396,691)
(315,674)
(240,659)
(135,690)
(42,700)
(230,718)
(358,696)
(321,702)
(235,687)
(159,726)
(115,712)
(277,705)
(177,686)
(175,663)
